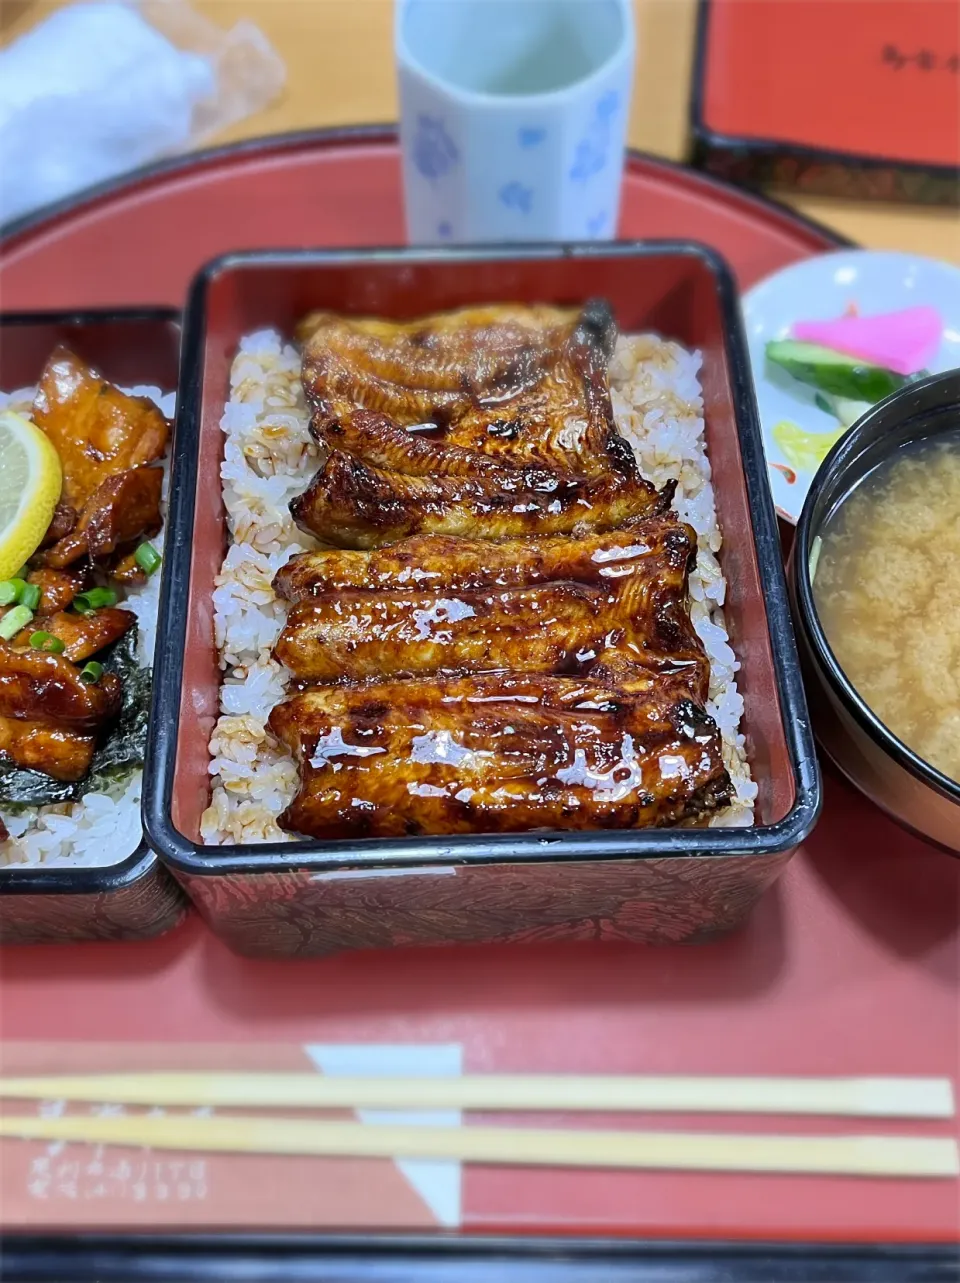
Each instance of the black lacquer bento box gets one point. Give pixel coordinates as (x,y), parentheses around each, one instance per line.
(885,769)
(319,897)
(135,898)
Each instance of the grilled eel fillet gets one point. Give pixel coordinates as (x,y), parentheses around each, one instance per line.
(441,562)
(558,626)
(499,752)
(382,441)
(525,383)
(351,504)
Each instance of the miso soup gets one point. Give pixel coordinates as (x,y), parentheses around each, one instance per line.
(887,589)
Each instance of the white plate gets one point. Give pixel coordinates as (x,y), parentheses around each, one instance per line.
(821,289)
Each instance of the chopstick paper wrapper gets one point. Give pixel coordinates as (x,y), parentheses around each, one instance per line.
(836,1155)
(850,1097)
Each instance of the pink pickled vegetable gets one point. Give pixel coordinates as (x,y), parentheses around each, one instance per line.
(902,341)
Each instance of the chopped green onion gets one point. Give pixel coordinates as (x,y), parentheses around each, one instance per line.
(14,620)
(84,602)
(91,672)
(11,591)
(147,558)
(46,641)
(30,597)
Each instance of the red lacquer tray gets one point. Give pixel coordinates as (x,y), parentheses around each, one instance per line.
(848,966)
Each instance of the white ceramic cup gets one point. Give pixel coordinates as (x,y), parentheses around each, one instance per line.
(513,117)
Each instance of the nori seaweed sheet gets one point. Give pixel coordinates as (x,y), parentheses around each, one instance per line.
(117,757)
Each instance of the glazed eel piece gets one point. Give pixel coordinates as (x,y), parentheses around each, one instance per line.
(444,562)
(527,385)
(352,504)
(381,441)
(559,626)
(499,752)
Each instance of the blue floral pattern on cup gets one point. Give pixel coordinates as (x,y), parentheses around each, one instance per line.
(434,151)
(515,196)
(592,150)
(597,223)
(531,136)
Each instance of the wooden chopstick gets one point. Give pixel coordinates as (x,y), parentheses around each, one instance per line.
(851,1097)
(681,1151)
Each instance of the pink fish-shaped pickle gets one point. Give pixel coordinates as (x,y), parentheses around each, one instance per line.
(904,341)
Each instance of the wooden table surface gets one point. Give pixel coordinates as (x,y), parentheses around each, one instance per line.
(338,55)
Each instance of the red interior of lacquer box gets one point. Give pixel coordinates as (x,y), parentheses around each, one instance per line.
(674,294)
(876,78)
(126,350)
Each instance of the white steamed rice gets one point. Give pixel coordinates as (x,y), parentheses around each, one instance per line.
(269,457)
(102,828)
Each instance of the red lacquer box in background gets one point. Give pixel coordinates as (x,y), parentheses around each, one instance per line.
(856,98)
(134,898)
(320,897)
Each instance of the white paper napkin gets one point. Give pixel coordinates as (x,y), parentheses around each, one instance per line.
(95,90)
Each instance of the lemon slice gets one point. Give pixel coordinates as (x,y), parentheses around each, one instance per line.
(30,481)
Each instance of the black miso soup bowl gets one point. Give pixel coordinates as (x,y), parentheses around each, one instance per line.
(882,767)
